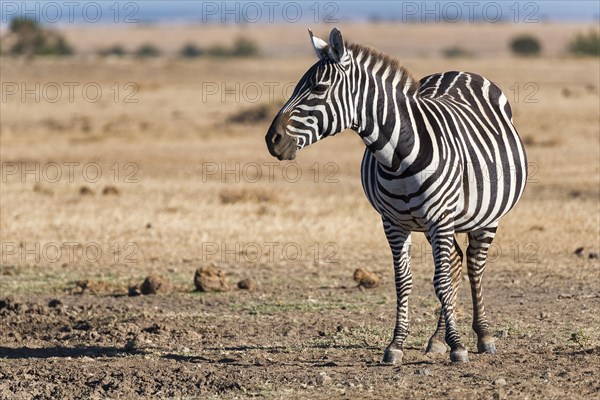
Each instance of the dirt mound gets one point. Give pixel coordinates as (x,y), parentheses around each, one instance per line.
(210,279)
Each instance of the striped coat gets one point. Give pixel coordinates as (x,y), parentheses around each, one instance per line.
(442,156)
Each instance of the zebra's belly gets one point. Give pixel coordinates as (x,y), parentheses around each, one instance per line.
(472,200)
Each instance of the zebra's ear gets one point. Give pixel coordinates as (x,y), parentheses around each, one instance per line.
(320,46)
(336,45)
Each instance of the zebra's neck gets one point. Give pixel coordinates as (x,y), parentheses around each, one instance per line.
(383,94)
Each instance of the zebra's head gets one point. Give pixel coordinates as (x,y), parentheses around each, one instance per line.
(320,105)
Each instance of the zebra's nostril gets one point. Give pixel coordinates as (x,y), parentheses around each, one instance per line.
(277,138)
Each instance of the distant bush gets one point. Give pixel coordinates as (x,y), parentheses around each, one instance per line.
(27,37)
(244,48)
(525,45)
(455,52)
(586,44)
(147,51)
(191,51)
(116,51)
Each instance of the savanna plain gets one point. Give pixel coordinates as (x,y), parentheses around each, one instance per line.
(167,171)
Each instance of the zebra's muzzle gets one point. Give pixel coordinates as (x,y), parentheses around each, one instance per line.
(281,145)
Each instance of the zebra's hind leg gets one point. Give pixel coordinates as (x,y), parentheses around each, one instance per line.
(436,343)
(442,241)
(399,241)
(479,244)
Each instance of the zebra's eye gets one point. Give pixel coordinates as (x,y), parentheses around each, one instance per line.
(319,89)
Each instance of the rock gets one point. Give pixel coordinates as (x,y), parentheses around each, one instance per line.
(247,284)
(423,371)
(593,256)
(210,279)
(323,379)
(154,284)
(500,382)
(579,252)
(366,279)
(110,190)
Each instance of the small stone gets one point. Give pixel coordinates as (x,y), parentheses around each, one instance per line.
(423,371)
(247,284)
(500,382)
(210,279)
(366,279)
(579,252)
(593,256)
(154,284)
(323,379)
(148,225)
(543,315)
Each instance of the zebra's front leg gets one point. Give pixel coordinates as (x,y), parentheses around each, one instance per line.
(436,342)
(442,242)
(479,244)
(399,241)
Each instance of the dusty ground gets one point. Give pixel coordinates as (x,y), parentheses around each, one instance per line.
(186,194)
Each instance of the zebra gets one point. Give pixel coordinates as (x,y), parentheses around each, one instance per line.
(442,157)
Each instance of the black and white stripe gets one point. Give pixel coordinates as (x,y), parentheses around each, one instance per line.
(442,157)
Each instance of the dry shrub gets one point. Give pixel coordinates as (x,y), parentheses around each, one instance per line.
(245,195)
(532,141)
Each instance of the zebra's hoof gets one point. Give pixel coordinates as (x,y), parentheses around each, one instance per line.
(393,356)
(435,347)
(459,355)
(486,346)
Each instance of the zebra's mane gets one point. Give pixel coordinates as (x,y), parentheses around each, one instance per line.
(407,82)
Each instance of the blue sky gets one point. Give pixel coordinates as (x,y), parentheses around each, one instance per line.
(153,11)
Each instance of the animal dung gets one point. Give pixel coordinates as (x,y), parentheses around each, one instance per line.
(247,284)
(154,284)
(210,279)
(366,279)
